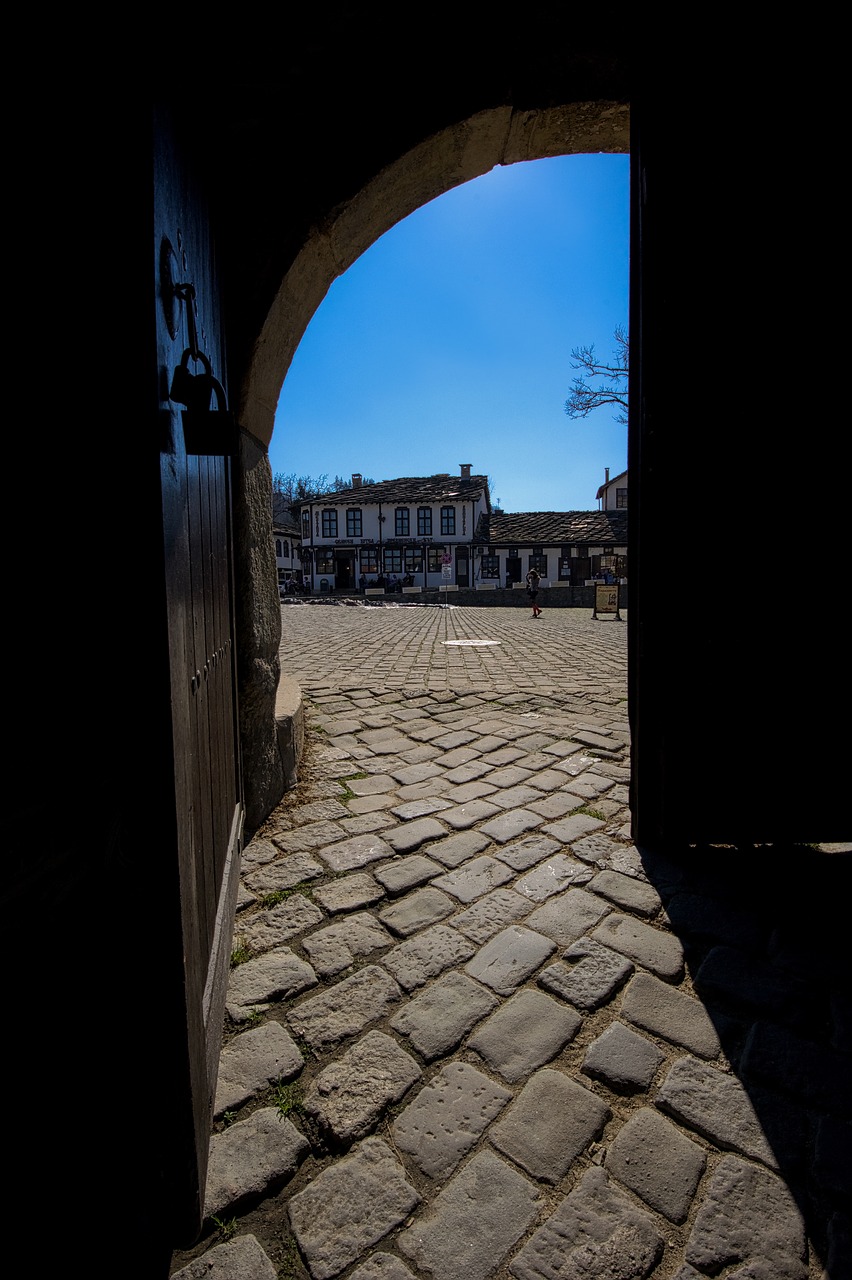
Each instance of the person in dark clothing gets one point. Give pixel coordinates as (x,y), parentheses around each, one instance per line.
(533,581)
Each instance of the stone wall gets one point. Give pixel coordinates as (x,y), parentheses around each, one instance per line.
(559,597)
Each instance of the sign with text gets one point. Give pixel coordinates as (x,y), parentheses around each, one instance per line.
(606,599)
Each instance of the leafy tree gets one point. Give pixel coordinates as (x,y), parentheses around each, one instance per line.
(586,394)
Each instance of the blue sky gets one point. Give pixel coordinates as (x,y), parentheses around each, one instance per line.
(449,340)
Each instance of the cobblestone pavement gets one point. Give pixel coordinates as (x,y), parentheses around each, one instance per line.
(474,1031)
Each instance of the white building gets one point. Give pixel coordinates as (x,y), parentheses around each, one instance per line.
(421,530)
(612,495)
(285,531)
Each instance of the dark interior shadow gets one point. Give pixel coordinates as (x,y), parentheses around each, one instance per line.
(766,934)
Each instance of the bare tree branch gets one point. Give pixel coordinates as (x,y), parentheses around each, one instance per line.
(584,397)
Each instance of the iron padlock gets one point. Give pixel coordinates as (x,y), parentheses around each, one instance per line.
(193,390)
(206,430)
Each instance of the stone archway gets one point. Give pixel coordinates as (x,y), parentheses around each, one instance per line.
(466,150)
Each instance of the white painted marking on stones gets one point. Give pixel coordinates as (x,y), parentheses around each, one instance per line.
(470,643)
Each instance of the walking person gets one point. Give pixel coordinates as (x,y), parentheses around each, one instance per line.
(533,580)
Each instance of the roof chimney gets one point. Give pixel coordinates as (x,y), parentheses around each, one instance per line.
(465,470)
(356,479)
(606,475)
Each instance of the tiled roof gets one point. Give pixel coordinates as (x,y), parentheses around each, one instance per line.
(409,490)
(553,527)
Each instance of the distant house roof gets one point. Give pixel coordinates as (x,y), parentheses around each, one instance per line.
(622,475)
(553,527)
(408,489)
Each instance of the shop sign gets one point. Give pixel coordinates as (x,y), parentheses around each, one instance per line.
(606,600)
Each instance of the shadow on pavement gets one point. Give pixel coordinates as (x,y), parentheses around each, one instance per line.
(765,934)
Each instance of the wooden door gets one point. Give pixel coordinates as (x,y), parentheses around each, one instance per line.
(738,691)
(208,784)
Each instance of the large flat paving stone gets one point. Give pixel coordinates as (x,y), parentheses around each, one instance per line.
(446,1119)
(405,873)
(510,958)
(411,835)
(280,874)
(509,776)
(568,917)
(420,808)
(376,784)
(610,855)
(473,1223)
(654,1159)
(627,892)
(359,889)
(318,810)
(312,836)
(410,775)
(625,1061)
(416,911)
(275,976)
(463,816)
(651,948)
(569,830)
(278,924)
(473,879)
(348,855)
(527,1031)
(490,914)
(333,949)
(258,853)
(455,850)
(349,1207)
(717,1106)
(251,1062)
(748,1215)
(552,1122)
(555,805)
(251,1159)
(426,955)
(595,1234)
(523,854)
(440,1017)
(516,820)
(346,1008)
(676,1016)
(588,976)
(348,1097)
(553,875)
(239,1259)
(382,1266)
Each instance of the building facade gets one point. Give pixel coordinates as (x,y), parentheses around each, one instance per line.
(441,531)
(420,531)
(565,547)
(288,560)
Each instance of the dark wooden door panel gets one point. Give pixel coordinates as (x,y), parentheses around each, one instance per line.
(208,795)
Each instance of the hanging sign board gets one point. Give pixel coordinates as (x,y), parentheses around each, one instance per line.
(606,600)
